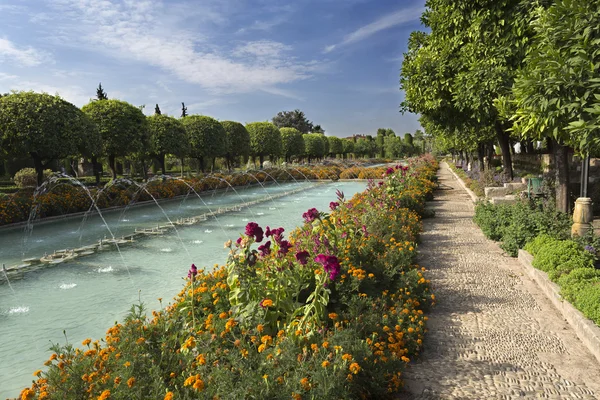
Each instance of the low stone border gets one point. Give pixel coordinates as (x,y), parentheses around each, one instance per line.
(460,181)
(587,331)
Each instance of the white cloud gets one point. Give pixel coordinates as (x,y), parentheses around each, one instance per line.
(388,21)
(28,57)
(135,30)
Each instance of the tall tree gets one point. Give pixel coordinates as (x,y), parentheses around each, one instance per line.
(293,119)
(122,127)
(183,110)
(167,136)
(44,127)
(318,129)
(157,110)
(335,146)
(100,93)
(381,134)
(292,143)
(238,141)
(206,136)
(265,140)
(348,147)
(314,146)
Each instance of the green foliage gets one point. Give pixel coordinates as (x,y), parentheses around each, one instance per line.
(293,119)
(394,147)
(27,177)
(167,136)
(265,139)
(292,142)
(534,246)
(365,147)
(206,135)
(559,257)
(335,145)
(100,93)
(557,94)
(314,145)
(122,126)
(238,139)
(43,127)
(348,146)
(516,224)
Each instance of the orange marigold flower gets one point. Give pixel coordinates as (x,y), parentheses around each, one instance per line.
(127,364)
(140,340)
(223,315)
(333,315)
(314,347)
(37,372)
(169,396)
(325,364)
(201,360)
(27,394)
(105,395)
(347,357)
(86,342)
(354,368)
(267,303)
(260,327)
(305,383)
(131,381)
(199,384)
(262,347)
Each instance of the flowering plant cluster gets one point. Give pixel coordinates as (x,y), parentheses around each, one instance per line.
(333,311)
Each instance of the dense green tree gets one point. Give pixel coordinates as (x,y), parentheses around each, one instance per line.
(167,135)
(122,127)
(379,139)
(314,146)
(394,147)
(293,119)
(206,136)
(335,146)
(557,94)
(100,93)
(348,147)
(265,140)
(365,147)
(292,143)
(238,141)
(45,128)
(318,129)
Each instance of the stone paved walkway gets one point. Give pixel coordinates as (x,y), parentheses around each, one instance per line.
(493,333)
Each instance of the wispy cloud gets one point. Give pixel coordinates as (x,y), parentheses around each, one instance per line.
(397,18)
(27,56)
(136,31)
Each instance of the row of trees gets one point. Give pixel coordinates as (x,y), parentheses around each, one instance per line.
(490,72)
(46,128)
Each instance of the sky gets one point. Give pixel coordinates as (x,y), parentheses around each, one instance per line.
(336,60)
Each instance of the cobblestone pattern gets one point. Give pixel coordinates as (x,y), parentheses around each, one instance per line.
(493,334)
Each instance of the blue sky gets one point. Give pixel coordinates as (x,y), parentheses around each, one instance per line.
(337,60)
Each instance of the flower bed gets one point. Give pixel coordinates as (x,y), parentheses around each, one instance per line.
(66,197)
(334,311)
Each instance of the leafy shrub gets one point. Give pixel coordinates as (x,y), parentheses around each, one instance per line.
(570,284)
(560,257)
(536,244)
(27,177)
(588,300)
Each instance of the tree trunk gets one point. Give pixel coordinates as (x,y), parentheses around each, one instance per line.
(503,140)
(112,165)
(182,160)
(95,169)
(480,156)
(161,161)
(144,170)
(39,168)
(261,159)
(561,168)
(530,148)
(214,161)
(201,162)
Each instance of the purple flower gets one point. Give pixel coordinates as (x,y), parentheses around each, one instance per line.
(311,215)
(333,205)
(252,229)
(339,194)
(239,240)
(389,171)
(192,272)
(302,257)
(590,248)
(284,247)
(265,249)
(380,183)
(277,233)
(331,265)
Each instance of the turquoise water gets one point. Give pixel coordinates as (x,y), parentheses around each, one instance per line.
(87,295)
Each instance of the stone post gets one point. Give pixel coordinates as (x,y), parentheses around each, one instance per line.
(582,216)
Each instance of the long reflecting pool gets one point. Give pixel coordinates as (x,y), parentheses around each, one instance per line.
(86,295)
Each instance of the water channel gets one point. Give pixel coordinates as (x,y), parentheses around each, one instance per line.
(86,295)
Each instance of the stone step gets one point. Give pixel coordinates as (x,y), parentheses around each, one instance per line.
(508,199)
(495,192)
(513,186)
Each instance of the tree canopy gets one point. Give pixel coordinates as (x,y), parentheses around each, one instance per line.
(292,142)
(122,127)
(314,146)
(265,139)
(238,140)
(293,119)
(44,127)
(335,145)
(167,135)
(207,137)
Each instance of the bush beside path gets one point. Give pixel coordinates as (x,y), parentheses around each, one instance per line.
(493,333)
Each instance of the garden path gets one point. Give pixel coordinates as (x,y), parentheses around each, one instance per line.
(493,334)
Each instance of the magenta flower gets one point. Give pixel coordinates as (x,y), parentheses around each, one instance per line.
(331,265)
(284,247)
(389,171)
(192,272)
(252,229)
(311,215)
(265,249)
(333,205)
(302,257)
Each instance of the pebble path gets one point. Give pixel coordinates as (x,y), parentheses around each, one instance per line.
(493,334)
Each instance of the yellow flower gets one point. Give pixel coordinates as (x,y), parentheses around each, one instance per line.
(169,396)
(265,377)
(325,364)
(223,315)
(117,380)
(127,364)
(37,372)
(262,347)
(354,368)
(86,342)
(105,395)
(131,381)
(199,384)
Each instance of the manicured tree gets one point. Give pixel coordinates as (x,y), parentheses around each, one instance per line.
(348,145)
(314,146)
(157,110)
(381,134)
(122,127)
(293,119)
(557,94)
(167,136)
(265,139)
(100,93)
(292,143)
(335,146)
(238,141)
(44,127)
(206,136)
